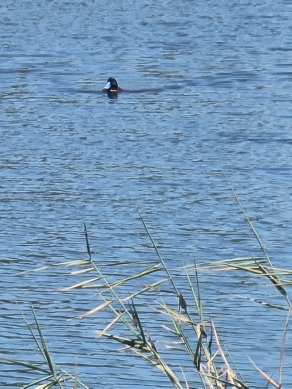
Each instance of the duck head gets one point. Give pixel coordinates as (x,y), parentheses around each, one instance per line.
(112,87)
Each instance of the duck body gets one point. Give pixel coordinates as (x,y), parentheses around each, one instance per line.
(112,88)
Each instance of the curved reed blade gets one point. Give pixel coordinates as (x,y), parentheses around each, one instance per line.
(266,376)
(25,364)
(273,278)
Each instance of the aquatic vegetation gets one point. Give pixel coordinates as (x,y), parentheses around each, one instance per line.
(185,329)
(51,374)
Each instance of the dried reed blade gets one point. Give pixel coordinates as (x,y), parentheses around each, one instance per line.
(140,274)
(78,272)
(79,285)
(176,315)
(283,348)
(185,378)
(66,264)
(117,318)
(172,331)
(253,270)
(96,309)
(148,287)
(266,376)
(224,264)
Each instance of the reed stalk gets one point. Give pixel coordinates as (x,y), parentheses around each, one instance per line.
(196,338)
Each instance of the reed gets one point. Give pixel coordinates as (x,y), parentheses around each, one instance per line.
(50,374)
(208,356)
(193,335)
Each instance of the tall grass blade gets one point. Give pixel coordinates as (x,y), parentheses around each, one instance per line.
(283,348)
(87,242)
(158,253)
(137,320)
(199,300)
(44,344)
(251,226)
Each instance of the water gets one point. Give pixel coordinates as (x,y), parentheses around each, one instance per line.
(207,107)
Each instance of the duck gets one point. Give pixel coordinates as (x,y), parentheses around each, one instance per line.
(112,88)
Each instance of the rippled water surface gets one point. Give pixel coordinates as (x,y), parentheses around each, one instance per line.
(207,107)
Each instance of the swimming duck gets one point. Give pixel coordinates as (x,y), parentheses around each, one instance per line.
(112,87)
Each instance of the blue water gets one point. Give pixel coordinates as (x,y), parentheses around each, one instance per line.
(207,107)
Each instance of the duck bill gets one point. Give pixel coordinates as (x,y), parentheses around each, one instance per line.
(107,86)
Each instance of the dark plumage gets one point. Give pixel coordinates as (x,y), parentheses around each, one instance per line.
(112,88)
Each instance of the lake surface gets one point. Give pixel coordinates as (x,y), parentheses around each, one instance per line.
(207,107)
